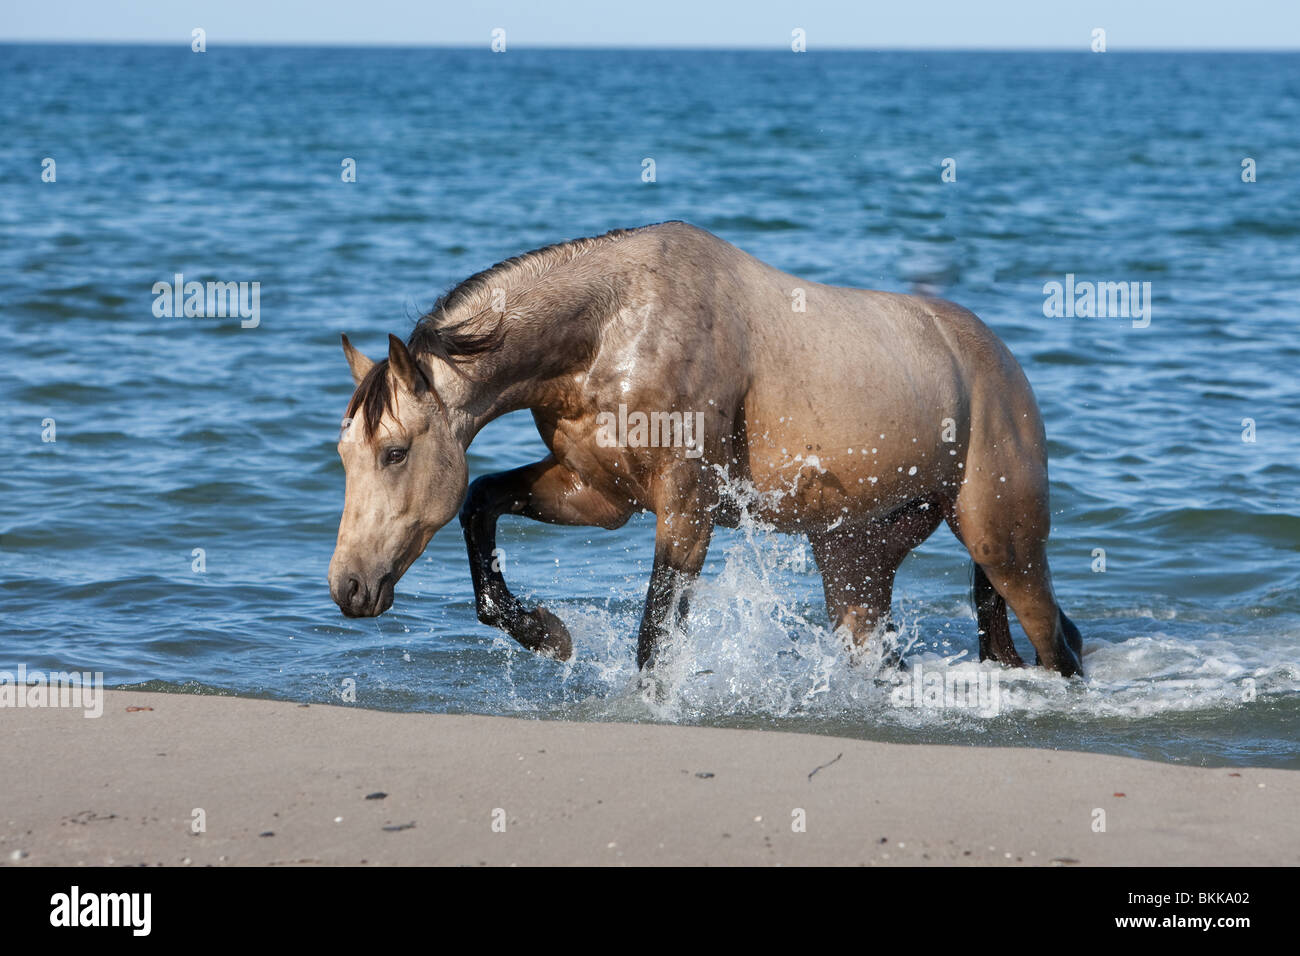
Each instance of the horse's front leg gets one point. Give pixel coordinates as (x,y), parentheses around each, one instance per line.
(544,491)
(681,544)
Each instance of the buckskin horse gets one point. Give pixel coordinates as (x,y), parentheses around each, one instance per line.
(858,418)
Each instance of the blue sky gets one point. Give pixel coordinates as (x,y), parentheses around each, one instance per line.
(998,24)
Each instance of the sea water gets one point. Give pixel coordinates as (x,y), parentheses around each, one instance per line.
(170,489)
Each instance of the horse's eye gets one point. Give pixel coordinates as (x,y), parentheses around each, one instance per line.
(395,456)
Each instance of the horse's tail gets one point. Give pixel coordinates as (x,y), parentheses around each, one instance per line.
(991,613)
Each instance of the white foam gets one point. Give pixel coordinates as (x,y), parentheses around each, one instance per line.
(757,645)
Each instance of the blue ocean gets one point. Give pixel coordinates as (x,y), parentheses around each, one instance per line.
(170,488)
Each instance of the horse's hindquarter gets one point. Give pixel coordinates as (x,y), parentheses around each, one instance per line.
(864,402)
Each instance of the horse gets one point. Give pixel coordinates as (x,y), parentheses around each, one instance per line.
(665,368)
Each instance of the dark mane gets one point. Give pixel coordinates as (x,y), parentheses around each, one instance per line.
(454,341)
(457,340)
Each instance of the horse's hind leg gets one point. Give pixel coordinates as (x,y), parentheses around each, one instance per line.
(1029,592)
(1004,525)
(545,491)
(858,563)
(991,616)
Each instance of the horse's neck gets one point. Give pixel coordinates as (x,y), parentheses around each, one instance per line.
(551,327)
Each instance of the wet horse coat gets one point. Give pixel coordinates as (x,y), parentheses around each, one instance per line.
(861,419)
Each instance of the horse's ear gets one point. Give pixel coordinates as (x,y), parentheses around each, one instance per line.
(403,368)
(359,364)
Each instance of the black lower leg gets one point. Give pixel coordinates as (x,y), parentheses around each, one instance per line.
(537,629)
(991,615)
(666,603)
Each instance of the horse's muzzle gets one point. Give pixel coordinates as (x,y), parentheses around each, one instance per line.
(356,599)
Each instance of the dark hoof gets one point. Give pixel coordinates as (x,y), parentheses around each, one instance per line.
(892,659)
(541,631)
(867,641)
(891,654)
(1067,666)
(1011,659)
(886,640)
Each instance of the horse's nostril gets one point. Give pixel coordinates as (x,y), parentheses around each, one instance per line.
(354,585)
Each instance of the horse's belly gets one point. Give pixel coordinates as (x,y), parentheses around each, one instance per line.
(803,481)
(849,427)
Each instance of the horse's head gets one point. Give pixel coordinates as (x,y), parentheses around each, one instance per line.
(406,475)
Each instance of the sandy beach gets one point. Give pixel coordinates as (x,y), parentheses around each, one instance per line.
(277,783)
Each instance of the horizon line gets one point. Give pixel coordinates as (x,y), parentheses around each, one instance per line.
(615,48)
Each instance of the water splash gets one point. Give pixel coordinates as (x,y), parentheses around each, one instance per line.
(757,649)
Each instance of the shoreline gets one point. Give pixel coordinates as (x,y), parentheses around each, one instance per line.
(280,783)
